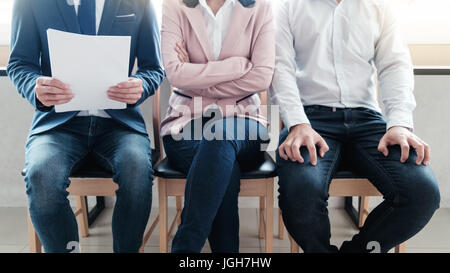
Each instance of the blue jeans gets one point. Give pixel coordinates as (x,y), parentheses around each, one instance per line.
(53,155)
(213,169)
(411,194)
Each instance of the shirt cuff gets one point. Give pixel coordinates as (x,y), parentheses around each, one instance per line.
(400,118)
(41,107)
(294,117)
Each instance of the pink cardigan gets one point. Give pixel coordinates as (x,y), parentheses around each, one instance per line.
(245,65)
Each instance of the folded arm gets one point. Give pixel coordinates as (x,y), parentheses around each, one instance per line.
(193,76)
(259,77)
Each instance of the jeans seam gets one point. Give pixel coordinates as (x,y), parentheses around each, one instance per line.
(188,189)
(188,201)
(332,167)
(380,168)
(375,163)
(107,161)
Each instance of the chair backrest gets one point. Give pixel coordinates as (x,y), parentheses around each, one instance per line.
(156,108)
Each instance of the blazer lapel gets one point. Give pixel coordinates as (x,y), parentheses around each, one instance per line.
(196,19)
(239,21)
(69,16)
(109,14)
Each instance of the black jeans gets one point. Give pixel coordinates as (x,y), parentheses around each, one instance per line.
(411,193)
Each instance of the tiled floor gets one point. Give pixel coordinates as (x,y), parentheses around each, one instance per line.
(13,233)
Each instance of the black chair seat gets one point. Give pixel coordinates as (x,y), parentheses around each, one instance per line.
(90,168)
(266,169)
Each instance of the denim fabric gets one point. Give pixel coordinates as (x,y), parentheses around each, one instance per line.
(411,194)
(213,169)
(52,156)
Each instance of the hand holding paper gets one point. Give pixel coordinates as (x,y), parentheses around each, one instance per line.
(128,92)
(91,65)
(51,92)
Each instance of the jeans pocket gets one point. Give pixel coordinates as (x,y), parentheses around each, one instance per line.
(369,111)
(310,109)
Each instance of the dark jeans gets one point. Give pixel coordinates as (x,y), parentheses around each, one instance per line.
(411,194)
(53,155)
(213,169)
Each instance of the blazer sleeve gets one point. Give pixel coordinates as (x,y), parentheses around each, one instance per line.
(193,76)
(259,77)
(24,63)
(150,69)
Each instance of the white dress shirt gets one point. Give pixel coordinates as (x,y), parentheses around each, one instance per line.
(330,54)
(99,5)
(217,25)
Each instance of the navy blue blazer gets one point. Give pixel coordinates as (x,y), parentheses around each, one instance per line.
(30,56)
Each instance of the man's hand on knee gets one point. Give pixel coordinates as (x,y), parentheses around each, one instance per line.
(302,135)
(402,136)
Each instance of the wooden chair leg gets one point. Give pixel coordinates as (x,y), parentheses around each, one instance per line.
(83,216)
(364,210)
(269,216)
(280,225)
(179,208)
(294,246)
(262,205)
(163,218)
(149,234)
(401,248)
(33,239)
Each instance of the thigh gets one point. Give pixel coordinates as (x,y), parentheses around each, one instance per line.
(52,155)
(123,149)
(248,137)
(399,182)
(180,153)
(305,178)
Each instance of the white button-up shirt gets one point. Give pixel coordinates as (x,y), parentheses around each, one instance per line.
(99,6)
(217,25)
(330,54)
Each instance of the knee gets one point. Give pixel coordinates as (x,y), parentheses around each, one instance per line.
(133,171)
(46,185)
(219,142)
(422,194)
(301,188)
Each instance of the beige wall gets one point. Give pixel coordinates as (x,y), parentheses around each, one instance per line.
(4,53)
(431,54)
(422,54)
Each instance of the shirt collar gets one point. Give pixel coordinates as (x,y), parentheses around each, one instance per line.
(227,2)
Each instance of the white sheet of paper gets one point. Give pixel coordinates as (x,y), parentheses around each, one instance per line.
(89,65)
